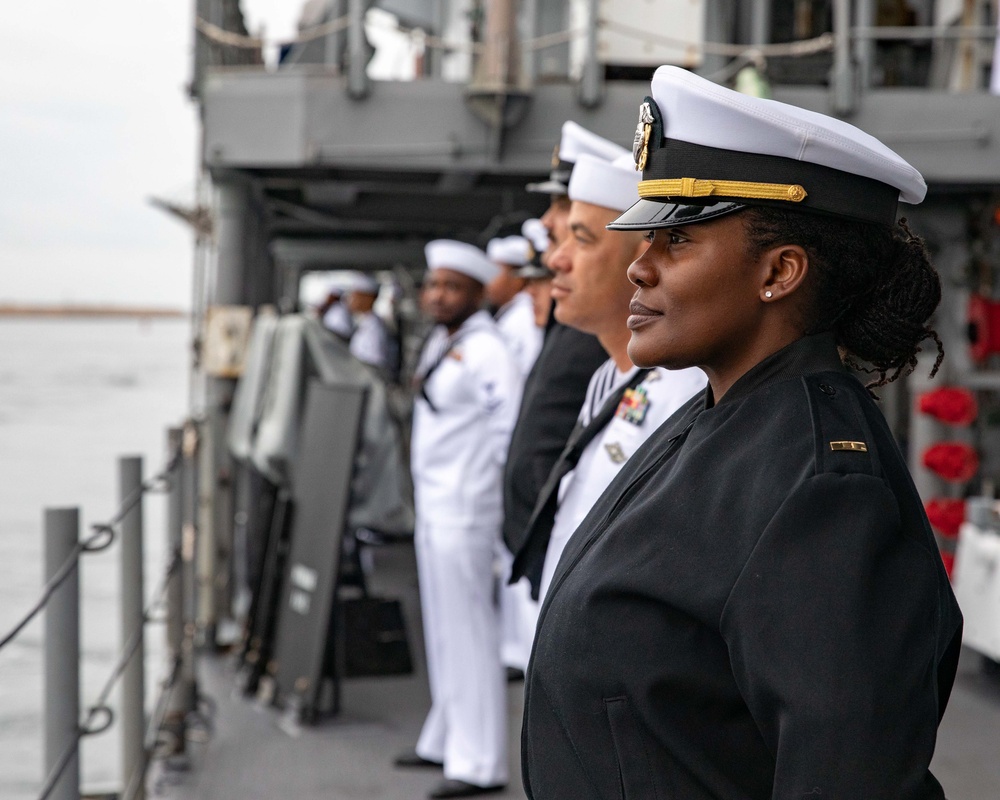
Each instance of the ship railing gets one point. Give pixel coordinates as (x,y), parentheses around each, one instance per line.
(851,42)
(177,714)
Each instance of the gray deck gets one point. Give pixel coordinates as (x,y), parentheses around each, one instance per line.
(249,757)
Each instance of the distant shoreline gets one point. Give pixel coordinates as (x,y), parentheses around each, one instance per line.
(104,311)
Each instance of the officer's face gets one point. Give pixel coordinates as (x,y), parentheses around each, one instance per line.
(503,287)
(556,220)
(698,301)
(541,299)
(591,286)
(449,297)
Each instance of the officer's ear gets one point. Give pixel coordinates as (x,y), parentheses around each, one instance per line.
(783,271)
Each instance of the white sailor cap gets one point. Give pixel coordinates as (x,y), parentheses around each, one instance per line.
(574,142)
(705,151)
(515,251)
(339,284)
(611,184)
(460,257)
(363,283)
(534,231)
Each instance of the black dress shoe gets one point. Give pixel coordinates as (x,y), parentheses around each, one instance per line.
(514,674)
(454,788)
(411,759)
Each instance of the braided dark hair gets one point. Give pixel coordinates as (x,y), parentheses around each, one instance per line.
(872,285)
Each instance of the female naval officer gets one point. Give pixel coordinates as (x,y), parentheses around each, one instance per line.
(755,608)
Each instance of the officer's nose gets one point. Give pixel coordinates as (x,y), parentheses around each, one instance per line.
(642,272)
(560,260)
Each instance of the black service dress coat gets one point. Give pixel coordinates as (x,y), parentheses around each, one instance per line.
(748,612)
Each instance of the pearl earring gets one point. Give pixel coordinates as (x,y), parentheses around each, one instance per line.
(768,294)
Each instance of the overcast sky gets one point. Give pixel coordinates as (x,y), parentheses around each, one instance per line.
(94,119)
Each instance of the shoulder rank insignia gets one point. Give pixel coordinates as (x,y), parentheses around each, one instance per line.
(615,452)
(633,406)
(857,447)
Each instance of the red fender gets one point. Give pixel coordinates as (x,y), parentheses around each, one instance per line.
(952,461)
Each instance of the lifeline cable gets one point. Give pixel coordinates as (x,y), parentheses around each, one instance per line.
(100,706)
(92,544)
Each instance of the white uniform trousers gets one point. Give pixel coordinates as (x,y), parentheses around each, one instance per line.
(466,728)
(518,614)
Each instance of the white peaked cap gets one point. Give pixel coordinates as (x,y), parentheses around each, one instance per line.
(574,142)
(611,184)
(577,141)
(460,257)
(706,151)
(701,112)
(534,231)
(515,251)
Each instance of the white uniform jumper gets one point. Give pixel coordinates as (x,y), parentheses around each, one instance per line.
(459,447)
(516,321)
(641,412)
(370,342)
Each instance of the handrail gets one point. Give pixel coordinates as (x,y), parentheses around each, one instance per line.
(915,32)
(822,43)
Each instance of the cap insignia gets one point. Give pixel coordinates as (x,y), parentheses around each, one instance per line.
(640,144)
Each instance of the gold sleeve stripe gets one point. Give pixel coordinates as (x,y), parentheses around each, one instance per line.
(695,187)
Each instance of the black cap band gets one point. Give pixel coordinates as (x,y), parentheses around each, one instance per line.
(558,182)
(826,190)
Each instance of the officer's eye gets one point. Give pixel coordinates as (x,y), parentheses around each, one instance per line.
(649,236)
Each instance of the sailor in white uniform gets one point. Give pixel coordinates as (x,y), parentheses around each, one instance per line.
(515,316)
(467,399)
(593,293)
(333,312)
(538,277)
(370,342)
(515,320)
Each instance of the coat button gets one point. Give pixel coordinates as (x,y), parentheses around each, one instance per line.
(827,389)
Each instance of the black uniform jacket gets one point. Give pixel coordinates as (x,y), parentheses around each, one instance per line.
(553,394)
(748,612)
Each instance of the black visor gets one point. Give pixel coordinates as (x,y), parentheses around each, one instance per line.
(648,214)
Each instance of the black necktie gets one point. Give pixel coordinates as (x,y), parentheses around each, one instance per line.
(531,557)
(421,378)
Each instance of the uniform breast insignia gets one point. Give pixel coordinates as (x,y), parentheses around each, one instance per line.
(634,405)
(455,354)
(615,452)
(858,447)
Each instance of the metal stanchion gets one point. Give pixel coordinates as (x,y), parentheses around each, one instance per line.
(592,80)
(133,724)
(62,653)
(184,695)
(191,590)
